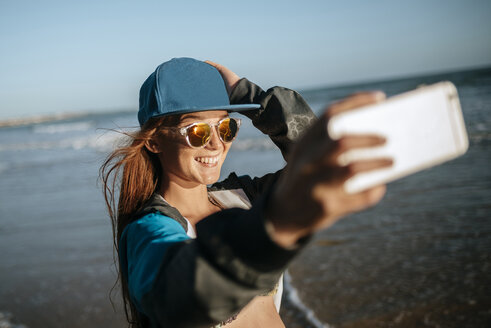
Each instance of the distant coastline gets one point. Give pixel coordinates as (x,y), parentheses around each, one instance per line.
(36,119)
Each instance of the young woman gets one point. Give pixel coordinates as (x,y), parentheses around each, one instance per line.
(194,252)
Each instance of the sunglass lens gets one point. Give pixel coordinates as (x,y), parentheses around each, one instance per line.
(228,129)
(199,134)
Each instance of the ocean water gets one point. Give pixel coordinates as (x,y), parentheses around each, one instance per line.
(421,258)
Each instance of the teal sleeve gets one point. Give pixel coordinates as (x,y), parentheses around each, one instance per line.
(143,246)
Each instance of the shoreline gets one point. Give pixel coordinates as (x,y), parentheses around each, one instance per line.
(293,310)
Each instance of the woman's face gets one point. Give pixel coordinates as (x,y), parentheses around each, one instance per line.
(189,166)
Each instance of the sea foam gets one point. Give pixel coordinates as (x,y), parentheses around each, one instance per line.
(63,127)
(5,321)
(292,295)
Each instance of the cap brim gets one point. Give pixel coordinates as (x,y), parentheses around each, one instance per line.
(243,107)
(229,108)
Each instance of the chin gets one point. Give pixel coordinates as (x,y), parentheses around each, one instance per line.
(208,175)
(211,179)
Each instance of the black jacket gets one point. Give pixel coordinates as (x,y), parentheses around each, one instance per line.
(180,282)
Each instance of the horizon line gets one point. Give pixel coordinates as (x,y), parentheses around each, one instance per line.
(60,116)
(394,78)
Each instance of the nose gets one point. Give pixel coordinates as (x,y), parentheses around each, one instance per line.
(215,142)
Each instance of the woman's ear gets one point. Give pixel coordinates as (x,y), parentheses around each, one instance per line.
(153,146)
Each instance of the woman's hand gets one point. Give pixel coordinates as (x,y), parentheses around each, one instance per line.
(310,194)
(230,78)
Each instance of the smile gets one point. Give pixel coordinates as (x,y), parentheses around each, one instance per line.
(208,160)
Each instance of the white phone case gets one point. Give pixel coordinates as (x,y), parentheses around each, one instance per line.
(423,127)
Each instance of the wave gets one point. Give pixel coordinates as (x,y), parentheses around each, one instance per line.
(43,118)
(63,127)
(5,321)
(292,295)
(98,142)
(106,142)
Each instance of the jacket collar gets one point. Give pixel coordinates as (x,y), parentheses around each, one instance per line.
(156,203)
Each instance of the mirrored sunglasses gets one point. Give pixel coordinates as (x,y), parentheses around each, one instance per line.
(198,134)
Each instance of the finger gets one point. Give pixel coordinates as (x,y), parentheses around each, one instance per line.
(338,175)
(339,203)
(366,198)
(224,71)
(340,152)
(353,141)
(362,166)
(327,152)
(209,62)
(355,101)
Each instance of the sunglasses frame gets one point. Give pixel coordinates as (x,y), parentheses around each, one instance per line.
(184,130)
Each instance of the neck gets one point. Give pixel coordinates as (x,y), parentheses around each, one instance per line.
(190,199)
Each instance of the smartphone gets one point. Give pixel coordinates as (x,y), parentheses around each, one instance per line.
(424,127)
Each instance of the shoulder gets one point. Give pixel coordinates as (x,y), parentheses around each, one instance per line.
(149,237)
(143,246)
(154,226)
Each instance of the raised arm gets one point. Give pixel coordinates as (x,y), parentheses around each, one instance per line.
(283,115)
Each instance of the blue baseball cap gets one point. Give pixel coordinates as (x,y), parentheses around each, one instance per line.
(184,85)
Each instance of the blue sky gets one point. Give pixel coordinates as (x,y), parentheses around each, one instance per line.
(61,56)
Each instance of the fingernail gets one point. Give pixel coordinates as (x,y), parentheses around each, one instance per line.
(379,95)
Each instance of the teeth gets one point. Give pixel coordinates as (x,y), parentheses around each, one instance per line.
(207,160)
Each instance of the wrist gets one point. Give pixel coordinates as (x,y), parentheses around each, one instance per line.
(284,238)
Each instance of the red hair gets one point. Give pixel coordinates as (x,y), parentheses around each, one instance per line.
(134,172)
